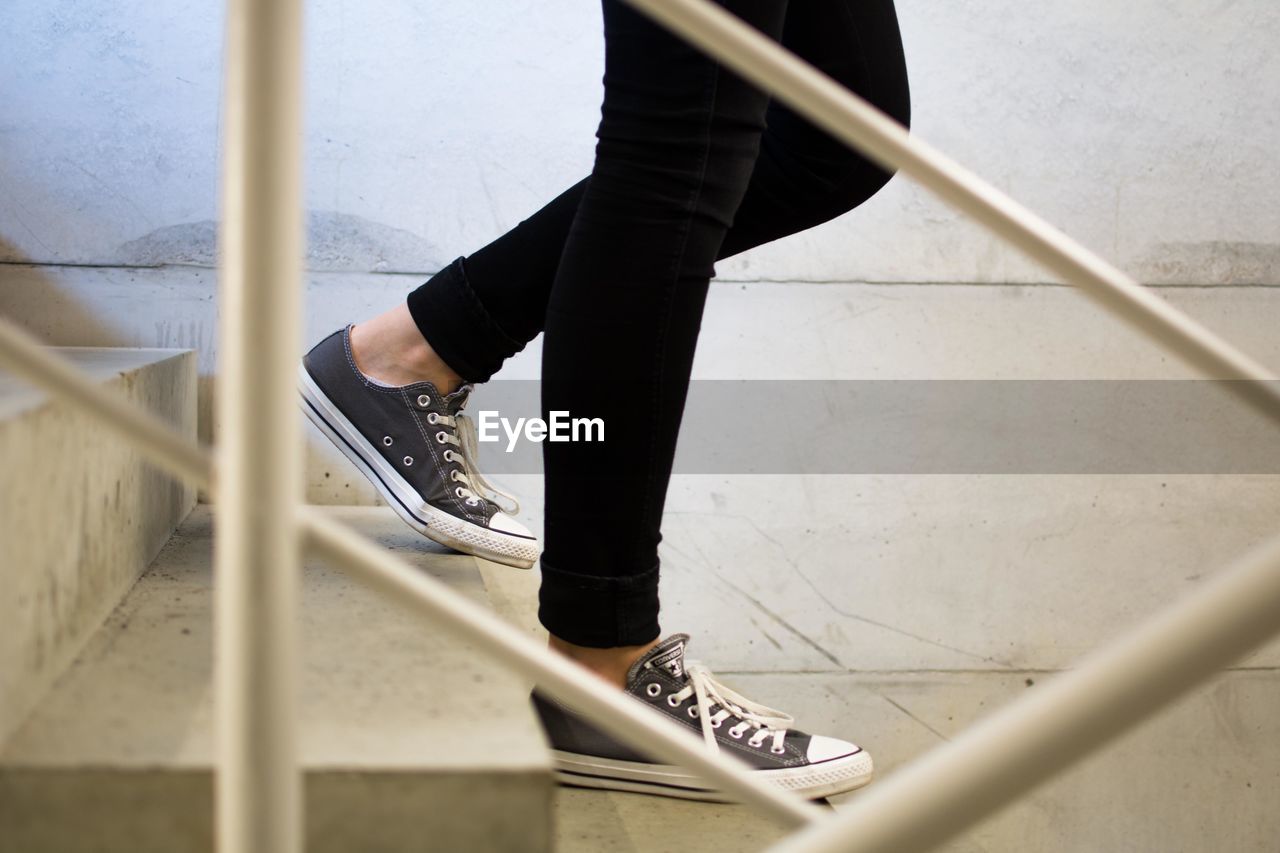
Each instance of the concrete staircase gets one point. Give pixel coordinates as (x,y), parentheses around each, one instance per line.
(409,740)
(893,610)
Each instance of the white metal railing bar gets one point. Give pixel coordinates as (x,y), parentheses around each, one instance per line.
(257,546)
(620,715)
(1054,725)
(864,128)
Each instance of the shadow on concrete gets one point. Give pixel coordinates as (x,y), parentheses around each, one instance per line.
(33,299)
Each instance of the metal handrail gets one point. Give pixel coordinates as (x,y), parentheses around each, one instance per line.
(257,547)
(916,808)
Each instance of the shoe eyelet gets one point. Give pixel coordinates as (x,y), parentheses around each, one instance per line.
(693,711)
(778,750)
(408,460)
(736,733)
(653,688)
(458,491)
(473,502)
(673,701)
(755,744)
(441,438)
(424,400)
(715,724)
(386,441)
(432,418)
(448,456)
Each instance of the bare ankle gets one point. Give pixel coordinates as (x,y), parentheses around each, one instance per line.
(390,349)
(610,664)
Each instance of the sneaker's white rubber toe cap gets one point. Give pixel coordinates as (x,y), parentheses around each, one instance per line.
(503,523)
(826,748)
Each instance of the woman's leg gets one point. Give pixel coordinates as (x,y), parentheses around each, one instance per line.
(678,139)
(484,308)
(679,156)
(679,142)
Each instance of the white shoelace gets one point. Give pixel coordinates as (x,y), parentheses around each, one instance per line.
(767,722)
(475,487)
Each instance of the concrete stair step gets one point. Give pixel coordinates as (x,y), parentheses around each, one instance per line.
(81,514)
(409,739)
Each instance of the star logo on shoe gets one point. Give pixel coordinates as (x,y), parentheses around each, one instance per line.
(671,660)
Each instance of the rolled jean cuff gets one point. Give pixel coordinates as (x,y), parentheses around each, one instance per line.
(453,320)
(599,612)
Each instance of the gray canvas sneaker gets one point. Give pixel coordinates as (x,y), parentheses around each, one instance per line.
(417,449)
(813,766)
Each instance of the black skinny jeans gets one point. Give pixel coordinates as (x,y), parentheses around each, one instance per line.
(692,164)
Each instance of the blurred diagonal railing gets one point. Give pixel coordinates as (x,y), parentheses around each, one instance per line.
(257,487)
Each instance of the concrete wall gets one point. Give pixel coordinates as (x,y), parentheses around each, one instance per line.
(1146,128)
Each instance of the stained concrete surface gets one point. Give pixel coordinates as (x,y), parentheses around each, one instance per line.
(334,241)
(81,513)
(406,736)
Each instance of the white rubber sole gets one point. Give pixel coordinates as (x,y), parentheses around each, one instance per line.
(435,524)
(812,781)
